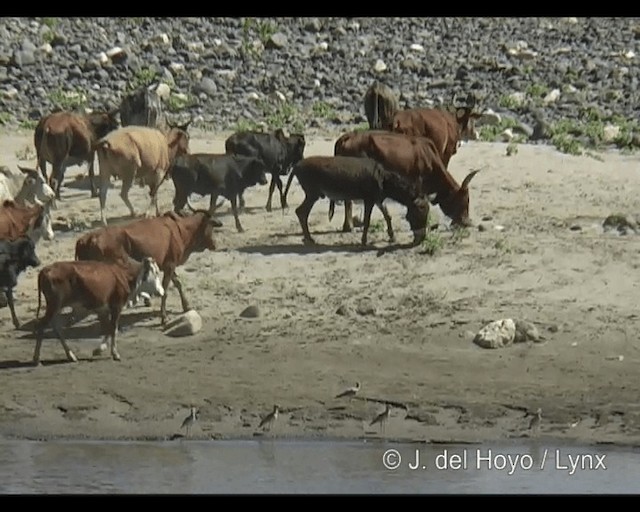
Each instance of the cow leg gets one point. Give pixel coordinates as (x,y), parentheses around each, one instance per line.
(40,327)
(127,182)
(115,317)
(272,187)
(92,177)
(57,328)
(387,219)
(212,203)
(168,276)
(368,207)
(105,330)
(241,201)
(176,282)
(42,163)
(14,317)
(153,194)
(104,186)
(347,227)
(303,212)
(234,209)
(56,178)
(283,200)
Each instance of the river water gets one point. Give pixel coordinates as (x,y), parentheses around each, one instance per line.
(270,466)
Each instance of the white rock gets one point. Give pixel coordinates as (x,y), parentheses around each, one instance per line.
(497,334)
(324,46)
(490,117)
(217,41)
(518,97)
(253,96)
(416,47)
(629,54)
(379,66)
(279,96)
(186,324)
(10,93)
(527,55)
(551,97)
(102,58)
(316,83)
(162,39)
(354,25)
(195,46)
(507,135)
(116,51)
(176,68)
(180,96)
(46,48)
(572,20)
(610,132)
(163,91)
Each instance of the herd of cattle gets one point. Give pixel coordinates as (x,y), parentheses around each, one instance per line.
(403,157)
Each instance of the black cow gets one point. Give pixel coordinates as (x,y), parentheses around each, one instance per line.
(209,173)
(279,153)
(15,257)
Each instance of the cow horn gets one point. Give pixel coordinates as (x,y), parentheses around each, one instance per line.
(465,182)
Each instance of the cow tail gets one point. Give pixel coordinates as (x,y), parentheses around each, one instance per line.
(332,209)
(376,112)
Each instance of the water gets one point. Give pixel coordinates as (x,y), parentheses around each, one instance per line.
(319,467)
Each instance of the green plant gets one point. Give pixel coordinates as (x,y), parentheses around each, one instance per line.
(142,78)
(432,243)
(502,246)
(536,90)
(49,22)
(48,36)
(280,114)
(509,101)
(247,125)
(491,132)
(512,148)
(176,102)
(376,227)
(361,127)
(323,110)
(566,144)
(5,118)
(28,124)
(458,234)
(67,100)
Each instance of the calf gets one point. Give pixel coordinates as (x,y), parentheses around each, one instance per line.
(15,257)
(19,221)
(342,178)
(380,105)
(225,175)
(67,138)
(277,151)
(95,286)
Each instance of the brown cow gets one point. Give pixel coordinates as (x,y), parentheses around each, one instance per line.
(169,240)
(142,153)
(94,286)
(380,105)
(415,157)
(444,128)
(67,138)
(19,221)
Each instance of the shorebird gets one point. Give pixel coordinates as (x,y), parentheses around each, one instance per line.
(268,421)
(350,392)
(190,420)
(534,424)
(382,418)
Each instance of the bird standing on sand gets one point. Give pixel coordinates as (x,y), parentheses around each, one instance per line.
(268,421)
(382,418)
(350,392)
(534,424)
(190,420)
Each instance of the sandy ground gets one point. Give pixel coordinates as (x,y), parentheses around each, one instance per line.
(405,331)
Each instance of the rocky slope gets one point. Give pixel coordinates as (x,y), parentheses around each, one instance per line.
(311,73)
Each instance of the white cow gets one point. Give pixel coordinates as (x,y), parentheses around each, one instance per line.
(28,187)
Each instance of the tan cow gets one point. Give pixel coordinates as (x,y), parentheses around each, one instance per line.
(141,153)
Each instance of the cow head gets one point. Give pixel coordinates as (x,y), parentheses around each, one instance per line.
(35,188)
(417,214)
(254,172)
(178,141)
(103,122)
(184,127)
(42,227)
(26,250)
(466,116)
(295,145)
(455,205)
(148,280)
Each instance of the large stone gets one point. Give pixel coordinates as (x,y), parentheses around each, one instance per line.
(497,334)
(186,324)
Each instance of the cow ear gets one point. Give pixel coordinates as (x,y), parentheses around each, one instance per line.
(432,198)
